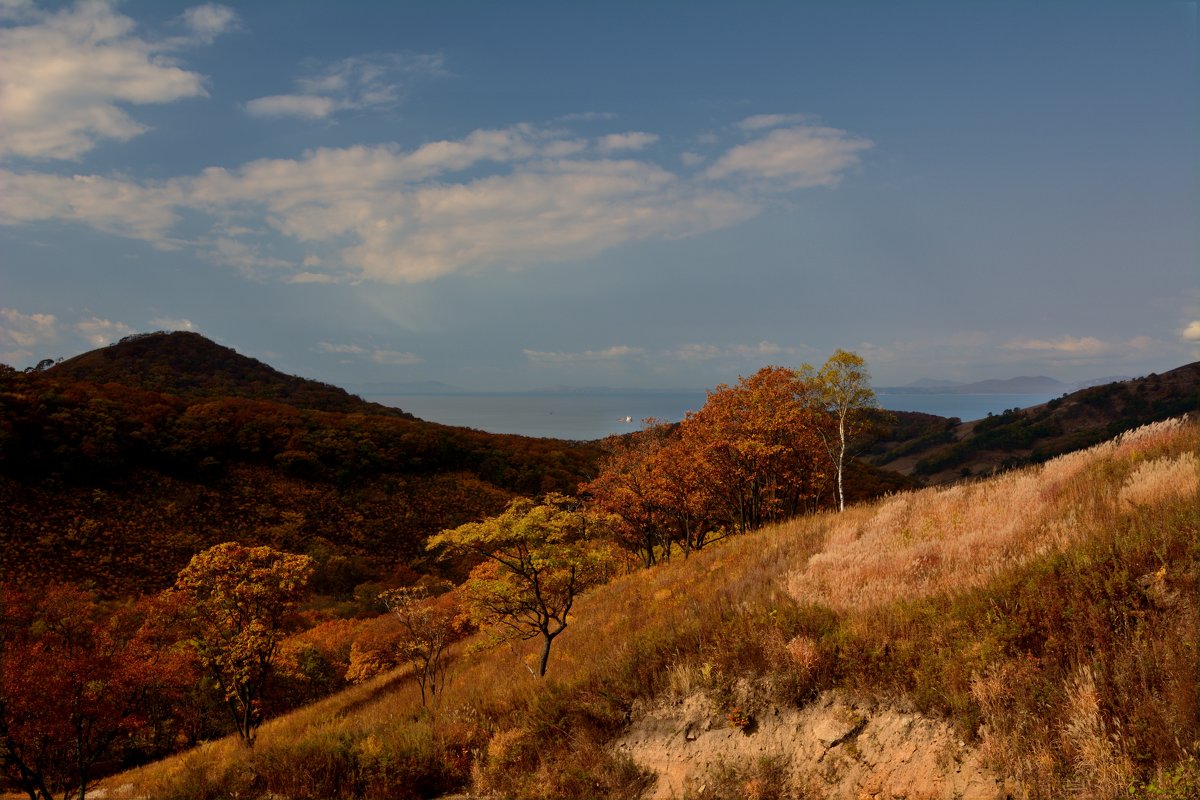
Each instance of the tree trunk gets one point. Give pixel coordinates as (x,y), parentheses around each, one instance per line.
(841,461)
(547,638)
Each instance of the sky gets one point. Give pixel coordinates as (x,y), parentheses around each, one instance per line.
(506,196)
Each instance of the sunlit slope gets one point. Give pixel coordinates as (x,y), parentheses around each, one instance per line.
(1049,615)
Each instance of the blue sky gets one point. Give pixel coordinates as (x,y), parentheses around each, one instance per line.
(517,195)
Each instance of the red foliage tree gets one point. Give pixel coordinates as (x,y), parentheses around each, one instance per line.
(72,683)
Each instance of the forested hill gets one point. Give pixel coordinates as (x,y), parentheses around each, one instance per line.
(187,364)
(937,450)
(107,482)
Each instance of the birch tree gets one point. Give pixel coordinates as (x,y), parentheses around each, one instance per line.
(846,393)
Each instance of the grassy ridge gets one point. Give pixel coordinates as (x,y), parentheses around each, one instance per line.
(1051,614)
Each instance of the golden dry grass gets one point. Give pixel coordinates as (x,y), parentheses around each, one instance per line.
(958,537)
(1050,612)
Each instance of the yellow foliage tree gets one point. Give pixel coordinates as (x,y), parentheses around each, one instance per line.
(234,600)
(537,558)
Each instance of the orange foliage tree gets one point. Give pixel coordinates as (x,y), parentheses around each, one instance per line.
(753,454)
(759,444)
(629,488)
(234,602)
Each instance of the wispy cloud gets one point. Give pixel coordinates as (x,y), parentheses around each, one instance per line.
(614,353)
(696,352)
(209,21)
(20,333)
(311,106)
(1070,345)
(1191,331)
(65,76)
(635,140)
(381,356)
(511,197)
(763,121)
(588,116)
(373,82)
(690,353)
(794,158)
(173,324)
(25,330)
(113,205)
(395,358)
(347,349)
(100,332)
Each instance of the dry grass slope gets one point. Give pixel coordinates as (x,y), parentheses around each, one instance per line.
(1049,614)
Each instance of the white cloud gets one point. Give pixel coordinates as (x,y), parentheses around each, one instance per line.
(19,333)
(796,158)
(691,159)
(1069,345)
(292,105)
(551,212)
(762,349)
(312,277)
(373,82)
(588,116)
(634,140)
(392,358)
(614,353)
(65,76)
(173,324)
(17,10)
(245,256)
(508,198)
(100,332)
(209,21)
(113,205)
(697,352)
(1081,350)
(763,121)
(328,347)
(1191,331)
(711,352)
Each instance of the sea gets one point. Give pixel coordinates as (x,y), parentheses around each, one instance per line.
(582,416)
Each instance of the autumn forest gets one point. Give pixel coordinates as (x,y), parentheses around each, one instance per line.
(194,543)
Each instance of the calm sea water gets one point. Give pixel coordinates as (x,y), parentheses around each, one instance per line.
(582,416)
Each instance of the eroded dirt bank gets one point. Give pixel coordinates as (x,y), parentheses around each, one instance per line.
(835,747)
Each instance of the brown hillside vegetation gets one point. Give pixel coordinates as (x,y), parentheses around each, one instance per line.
(119,486)
(1033,634)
